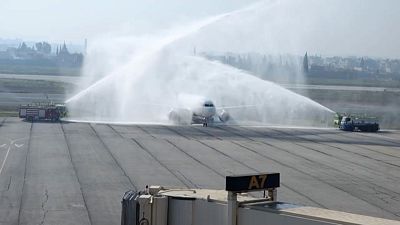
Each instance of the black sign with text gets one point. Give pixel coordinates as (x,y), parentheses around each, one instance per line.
(244,183)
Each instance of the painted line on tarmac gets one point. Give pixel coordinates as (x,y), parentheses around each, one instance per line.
(12,142)
(5,158)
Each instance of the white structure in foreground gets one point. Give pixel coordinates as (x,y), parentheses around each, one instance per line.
(162,206)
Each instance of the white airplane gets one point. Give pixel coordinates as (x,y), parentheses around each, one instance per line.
(204,113)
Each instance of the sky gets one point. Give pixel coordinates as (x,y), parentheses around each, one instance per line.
(77,19)
(333,27)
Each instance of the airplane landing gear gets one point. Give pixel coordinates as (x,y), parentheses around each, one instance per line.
(208,120)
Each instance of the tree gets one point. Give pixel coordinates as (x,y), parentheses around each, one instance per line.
(43,47)
(23,46)
(46,48)
(305,63)
(39,46)
(362,64)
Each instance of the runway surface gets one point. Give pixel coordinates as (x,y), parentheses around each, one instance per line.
(13,100)
(76,173)
(77,79)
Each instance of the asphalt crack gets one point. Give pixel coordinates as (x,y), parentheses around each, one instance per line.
(44,203)
(9,183)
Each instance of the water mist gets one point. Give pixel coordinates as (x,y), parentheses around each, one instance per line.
(140,79)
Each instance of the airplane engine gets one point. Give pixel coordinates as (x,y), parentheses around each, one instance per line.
(180,116)
(224,116)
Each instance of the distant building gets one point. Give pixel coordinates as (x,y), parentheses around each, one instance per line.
(362,64)
(64,57)
(305,63)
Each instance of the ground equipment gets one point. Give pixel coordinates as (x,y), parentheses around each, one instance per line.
(358,124)
(42,111)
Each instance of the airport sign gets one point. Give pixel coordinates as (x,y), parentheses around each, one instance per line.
(254,182)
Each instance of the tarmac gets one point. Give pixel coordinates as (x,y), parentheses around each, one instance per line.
(76,173)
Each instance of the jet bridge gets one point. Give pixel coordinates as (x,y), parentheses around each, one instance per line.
(233,206)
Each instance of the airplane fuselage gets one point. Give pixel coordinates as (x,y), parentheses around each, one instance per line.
(204,113)
(207,110)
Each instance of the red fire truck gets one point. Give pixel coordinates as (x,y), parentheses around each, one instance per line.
(42,111)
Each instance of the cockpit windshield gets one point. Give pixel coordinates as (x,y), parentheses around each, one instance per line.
(208,104)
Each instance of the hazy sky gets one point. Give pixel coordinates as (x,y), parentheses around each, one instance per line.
(371,26)
(77,19)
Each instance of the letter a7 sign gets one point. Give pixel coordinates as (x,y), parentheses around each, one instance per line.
(245,183)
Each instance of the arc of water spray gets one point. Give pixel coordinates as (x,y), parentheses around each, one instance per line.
(171,39)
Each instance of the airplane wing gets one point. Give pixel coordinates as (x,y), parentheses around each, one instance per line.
(153,104)
(160,105)
(237,106)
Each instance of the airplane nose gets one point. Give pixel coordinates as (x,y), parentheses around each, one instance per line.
(210,111)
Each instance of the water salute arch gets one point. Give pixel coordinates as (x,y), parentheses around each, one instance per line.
(140,79)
